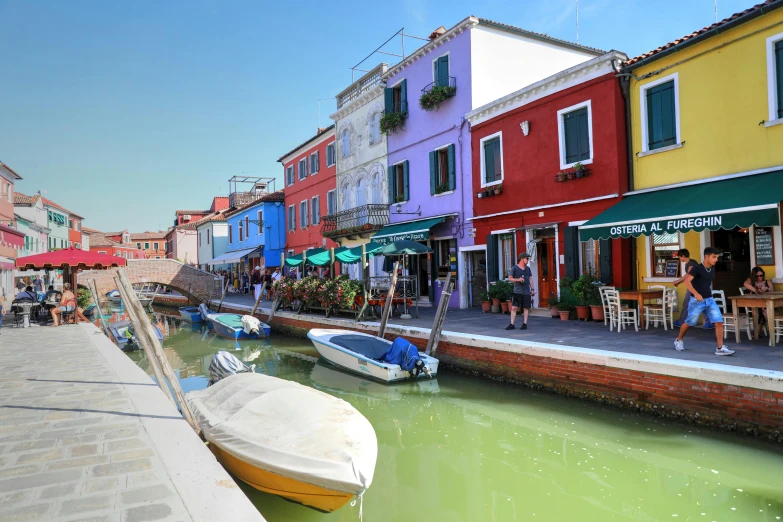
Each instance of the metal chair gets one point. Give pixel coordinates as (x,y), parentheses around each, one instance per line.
(65,316)
(620,315)
(663,311)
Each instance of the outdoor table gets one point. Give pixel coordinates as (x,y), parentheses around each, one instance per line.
(770,301)
(640,296)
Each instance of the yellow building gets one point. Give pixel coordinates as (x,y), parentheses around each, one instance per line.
(706,126)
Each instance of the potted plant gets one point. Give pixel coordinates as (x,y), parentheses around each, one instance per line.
(596,307)
(564,311)
(570,175)
(498,189)
(431,100)
(480,195)
(560,176)
(504,290)
(495,294)
(391,122)
(485,302)
(443,187)
(553,303)
(579,169)
(579,289)
(400,198)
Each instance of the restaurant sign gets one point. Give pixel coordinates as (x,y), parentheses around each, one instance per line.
(422,235)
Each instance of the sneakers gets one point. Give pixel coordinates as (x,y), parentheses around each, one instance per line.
(724,351)
(523,327)
(679,346)
(510,327)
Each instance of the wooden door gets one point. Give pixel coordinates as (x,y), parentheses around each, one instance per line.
(547,271)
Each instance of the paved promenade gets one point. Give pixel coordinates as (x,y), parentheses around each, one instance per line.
(85,435)
(699,344)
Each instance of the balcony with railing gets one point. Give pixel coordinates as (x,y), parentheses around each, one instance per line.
(437,92)
(364,84)
(356,222)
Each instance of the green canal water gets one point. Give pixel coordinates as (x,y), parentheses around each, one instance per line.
(465,449)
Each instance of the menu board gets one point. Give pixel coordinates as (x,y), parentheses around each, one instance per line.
(764,249)
(672,267)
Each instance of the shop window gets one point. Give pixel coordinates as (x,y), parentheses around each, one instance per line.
(506,259)
(664,248)
(591,258)
(446,258)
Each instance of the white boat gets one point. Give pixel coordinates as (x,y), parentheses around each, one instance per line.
(287,439)
(366,355)
(335,381)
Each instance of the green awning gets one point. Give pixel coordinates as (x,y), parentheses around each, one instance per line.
(418,230)
(297,260)
(737,202)
(354,255)
(325,257)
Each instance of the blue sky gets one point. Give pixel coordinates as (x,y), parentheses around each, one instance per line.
(126,111)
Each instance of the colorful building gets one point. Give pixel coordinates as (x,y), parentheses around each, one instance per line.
(429,146)
(706,120)
(153,243)
(256,234)
(522,144)
(32,219)
(114,244)
(212,233)
(11,239)
(310,181)
(58,223)
(182,243)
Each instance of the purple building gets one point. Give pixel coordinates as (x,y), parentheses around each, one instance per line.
(429,153)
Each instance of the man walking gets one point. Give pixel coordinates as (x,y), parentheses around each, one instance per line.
(699,282)
(685,257)
(520,275)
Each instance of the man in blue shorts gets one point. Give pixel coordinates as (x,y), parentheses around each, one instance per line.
(699,283)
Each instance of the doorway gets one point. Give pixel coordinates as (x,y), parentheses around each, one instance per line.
(477,276)
(733,266)
(547,273)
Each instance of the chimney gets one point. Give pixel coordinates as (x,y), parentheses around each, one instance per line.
(437,33)
(320,130)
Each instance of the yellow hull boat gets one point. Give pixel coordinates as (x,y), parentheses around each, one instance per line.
(306,494)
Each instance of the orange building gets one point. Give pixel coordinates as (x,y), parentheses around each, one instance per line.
(153,243)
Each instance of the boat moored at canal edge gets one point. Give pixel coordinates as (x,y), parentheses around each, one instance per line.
(364,354)
(191,314)
(123,334)
(234,326)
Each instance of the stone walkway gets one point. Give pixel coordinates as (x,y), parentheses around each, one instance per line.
(699,344)
(85,435)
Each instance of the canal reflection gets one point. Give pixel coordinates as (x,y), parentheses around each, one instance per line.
(465,449)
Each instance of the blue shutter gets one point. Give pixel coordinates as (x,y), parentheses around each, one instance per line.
(661,117)
(442,71)
(492,258)
(392,191)
(433,172)
(577,136)
(404,96)
(388,100)
(779,71)
(405,193)
(452,173)
(489,161)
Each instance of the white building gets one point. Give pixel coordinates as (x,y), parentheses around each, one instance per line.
(212,231)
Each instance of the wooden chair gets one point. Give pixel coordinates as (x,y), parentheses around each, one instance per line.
(620,315)
(663,311)
(604,303)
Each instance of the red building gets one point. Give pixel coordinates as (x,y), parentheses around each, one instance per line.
(114,244)
(182,217)
(528,195)
(309,176)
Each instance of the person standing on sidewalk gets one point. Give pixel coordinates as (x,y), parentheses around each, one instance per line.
(699,282)
(685,257)
(522,297)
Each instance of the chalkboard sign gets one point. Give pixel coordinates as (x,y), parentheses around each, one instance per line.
(765,254)
(672,267)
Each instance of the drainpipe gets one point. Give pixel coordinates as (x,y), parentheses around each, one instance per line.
(462,181)
(625,89)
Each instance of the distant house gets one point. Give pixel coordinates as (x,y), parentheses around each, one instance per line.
(11,239)
(114,244)
(32,219)
(153,243)
(212,233)
(65,226)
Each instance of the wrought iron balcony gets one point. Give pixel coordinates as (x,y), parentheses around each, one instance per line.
(363,220)
(450,84)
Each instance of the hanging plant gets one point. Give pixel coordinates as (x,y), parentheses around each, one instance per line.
(443,187)
(431,100)
(391,122)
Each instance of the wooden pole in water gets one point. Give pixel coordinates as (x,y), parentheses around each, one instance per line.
(144,324)
(389,298)
(94,293)
(258,300)
(225,289)
(145,344)
(440,315)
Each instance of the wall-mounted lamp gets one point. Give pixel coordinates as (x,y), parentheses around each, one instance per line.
(398,209)
(525,126)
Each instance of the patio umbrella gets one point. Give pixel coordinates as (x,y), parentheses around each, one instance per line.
(69,260)
(401,248)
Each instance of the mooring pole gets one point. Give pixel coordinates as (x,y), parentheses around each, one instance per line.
(389,298)
(94,293)
(440,315)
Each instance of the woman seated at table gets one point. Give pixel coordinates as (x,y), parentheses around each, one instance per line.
(757,283)
(67,304)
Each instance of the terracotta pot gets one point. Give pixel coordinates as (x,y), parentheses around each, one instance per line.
(565,316)
(554,311)
(495,301)
(597,312)
(497,192)
(583,312)
(485,306)
(504,306)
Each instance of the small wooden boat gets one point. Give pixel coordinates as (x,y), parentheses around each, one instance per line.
(123,334)
(371,356)
(191,314)
(287,439)
(114,296)
(232,326)
(89,310)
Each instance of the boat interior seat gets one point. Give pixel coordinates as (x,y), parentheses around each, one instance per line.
(368,346)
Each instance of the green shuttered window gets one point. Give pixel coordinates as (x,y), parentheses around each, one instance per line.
(779,75)
(442,71)
(661,116)
(396,98)
(577,135)
(442,175)
(492,162)
(398,182)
